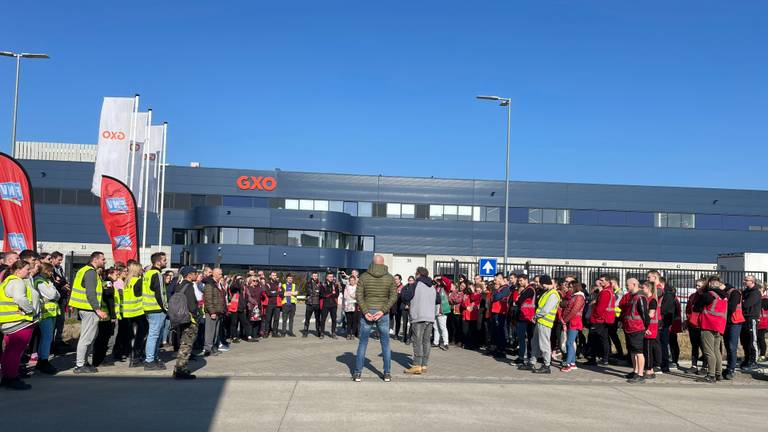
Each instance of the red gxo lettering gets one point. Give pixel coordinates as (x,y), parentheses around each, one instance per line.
(257,183)
(113,135)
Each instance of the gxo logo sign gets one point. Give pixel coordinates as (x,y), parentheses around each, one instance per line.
(113,135)
(256,183)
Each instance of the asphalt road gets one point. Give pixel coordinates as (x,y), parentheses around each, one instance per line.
(296,384)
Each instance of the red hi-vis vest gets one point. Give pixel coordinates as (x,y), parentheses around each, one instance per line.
(713,316)
(737,317)
(692,317)
(763,323)
(501,306)
(653,326)
(633,321)
(528,307)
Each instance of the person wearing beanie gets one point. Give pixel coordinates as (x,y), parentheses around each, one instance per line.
(546,313)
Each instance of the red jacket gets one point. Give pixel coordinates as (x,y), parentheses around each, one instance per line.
(573,311)
(474,301)
(604,312)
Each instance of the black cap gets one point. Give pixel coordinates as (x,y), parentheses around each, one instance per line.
(186,270)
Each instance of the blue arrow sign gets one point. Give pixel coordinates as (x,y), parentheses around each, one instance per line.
(487,266)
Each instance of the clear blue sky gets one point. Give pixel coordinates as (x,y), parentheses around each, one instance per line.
(652,92)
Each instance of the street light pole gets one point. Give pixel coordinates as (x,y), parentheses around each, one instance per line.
(18,56)
(505,102)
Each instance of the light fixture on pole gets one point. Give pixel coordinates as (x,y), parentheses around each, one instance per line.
(18,56)
(504,102)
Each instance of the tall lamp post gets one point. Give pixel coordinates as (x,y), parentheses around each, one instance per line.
(18,56)
(504,102)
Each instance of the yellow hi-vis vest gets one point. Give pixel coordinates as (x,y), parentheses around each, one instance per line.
(617,309)
(150,302)
(130,305)
(78,298)
(294,289)
(50,308)
(9,310)
(547,320)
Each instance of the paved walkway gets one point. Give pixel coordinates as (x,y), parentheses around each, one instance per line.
(296,384)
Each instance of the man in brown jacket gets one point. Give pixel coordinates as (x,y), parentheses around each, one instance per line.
(214,299)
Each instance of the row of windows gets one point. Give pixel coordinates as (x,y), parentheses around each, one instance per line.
(184,201)
(272,237)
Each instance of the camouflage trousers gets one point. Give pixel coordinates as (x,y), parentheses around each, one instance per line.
(188,336)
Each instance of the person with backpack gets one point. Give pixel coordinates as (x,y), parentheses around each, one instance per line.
(183,313)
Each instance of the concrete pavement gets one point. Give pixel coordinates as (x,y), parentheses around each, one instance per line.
(297,384)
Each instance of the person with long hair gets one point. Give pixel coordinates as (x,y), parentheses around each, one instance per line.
(107,324)
(573,308)
(133,313)
(43,284)
(351,309)
(19,305)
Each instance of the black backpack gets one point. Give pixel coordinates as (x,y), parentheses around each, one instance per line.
(178,310)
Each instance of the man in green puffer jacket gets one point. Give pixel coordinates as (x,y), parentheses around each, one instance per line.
(376,293)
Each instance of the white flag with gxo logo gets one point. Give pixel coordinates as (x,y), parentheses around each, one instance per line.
(114,141)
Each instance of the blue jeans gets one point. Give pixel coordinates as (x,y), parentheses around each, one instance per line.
(46,337)
(731,342)
(570,347)
(166,331)
(156,324)
(365,331)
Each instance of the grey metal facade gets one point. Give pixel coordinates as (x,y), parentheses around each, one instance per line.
(81,223)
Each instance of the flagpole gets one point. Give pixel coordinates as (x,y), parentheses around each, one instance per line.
(134,119)
(144,161)
(161,198)
(146,181)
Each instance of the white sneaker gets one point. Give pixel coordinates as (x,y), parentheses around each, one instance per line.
(223,348)
(391,332)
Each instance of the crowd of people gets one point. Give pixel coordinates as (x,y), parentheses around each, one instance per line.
(135,309)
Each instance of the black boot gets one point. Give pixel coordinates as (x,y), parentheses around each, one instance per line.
(46,367)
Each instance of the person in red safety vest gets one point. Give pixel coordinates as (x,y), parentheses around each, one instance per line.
(713,307)
(635,321)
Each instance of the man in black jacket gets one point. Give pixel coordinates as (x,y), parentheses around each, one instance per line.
(274,298)
(312,288)
(667,295)
(329,293)
(750,305)
(188,330)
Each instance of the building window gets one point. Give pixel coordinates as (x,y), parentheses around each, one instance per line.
(245,236)
(366,243)
(179,236)
(228,236)
(291,204)
(548,216)
(68,196)
(350,208)
(321,205)
(492,214)
(393,210)
(450,212)
(306,204)
(477,214)
(408,211)
(435,212)
(365,209)
(535,216)
(676,220)
(336,206)
(465,213)
(198,200)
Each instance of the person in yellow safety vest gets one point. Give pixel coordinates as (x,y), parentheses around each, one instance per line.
(546,313)
(613,329)
(155,303)
(132,313)
(86,297)
(290,291)
(18,306)
(43,284)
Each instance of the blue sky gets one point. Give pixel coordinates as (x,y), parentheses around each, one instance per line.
(652,92)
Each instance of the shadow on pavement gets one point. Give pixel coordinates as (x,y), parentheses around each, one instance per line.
(83,403)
